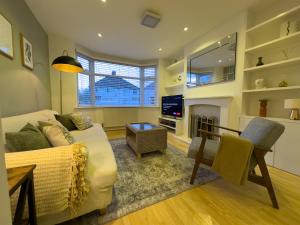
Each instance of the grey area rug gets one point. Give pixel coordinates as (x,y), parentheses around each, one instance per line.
(143,182)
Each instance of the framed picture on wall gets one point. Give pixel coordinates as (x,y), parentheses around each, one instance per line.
(6,38)
(26,53)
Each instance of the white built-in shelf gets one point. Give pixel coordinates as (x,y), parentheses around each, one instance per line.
(277,44)
(176,67)
(163,125)
(272,89)
(286,120)
(287,62)
(274,20)
(173,86)
(169,118)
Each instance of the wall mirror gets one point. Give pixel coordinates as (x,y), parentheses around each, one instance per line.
(214,64)
(6,37)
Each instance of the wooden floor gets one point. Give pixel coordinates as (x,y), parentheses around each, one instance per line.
(219,202)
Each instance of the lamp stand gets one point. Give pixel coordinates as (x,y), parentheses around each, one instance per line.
(294,114)
(60,92)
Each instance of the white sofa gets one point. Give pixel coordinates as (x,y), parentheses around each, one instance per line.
(102,168)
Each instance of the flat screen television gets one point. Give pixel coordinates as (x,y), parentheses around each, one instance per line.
(172,106)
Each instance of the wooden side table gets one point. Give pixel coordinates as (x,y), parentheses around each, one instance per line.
(23,177)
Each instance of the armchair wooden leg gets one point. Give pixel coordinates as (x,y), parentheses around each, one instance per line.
(266,177)
(102,211)
(198,159)
(195,170)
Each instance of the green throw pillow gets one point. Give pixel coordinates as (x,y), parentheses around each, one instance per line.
(28,138)
(66,120)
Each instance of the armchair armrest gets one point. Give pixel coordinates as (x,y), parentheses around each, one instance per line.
(205,132)
(260,148)
(224,128)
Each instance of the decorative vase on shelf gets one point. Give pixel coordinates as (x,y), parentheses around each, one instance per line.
(263,107)
(259,84)
(283,83)
(289,27)
(179,78)
(259,62)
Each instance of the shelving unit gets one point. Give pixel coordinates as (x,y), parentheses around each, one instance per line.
(173,125)
(273,89)
(177,66)
(281,55)
(274,20)
(282,62)
(175,86)
(279,43)
(288,62)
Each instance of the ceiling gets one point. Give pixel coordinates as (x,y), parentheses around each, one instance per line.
(119,23)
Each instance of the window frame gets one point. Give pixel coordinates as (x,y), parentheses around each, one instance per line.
(91,73)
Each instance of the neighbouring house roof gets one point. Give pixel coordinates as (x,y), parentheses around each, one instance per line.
(117,82)
(150,87)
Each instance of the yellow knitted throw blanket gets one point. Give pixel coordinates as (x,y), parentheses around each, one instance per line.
(59,178)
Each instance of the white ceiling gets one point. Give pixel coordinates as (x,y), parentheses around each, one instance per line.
(119,22)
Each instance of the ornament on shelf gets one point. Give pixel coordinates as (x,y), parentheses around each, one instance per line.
(283,83)
(259,84)
(259,62)
(263,107)
(179,78)
(285,55)
(289,27)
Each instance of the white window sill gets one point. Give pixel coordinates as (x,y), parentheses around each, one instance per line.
(103,107)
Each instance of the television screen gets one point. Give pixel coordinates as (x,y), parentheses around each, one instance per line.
(172,105)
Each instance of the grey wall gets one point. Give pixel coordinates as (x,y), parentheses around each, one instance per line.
(23,90)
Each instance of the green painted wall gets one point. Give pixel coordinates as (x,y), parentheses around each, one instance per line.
(23,90)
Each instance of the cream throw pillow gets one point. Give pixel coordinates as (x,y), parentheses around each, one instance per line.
(81,122)
(56,136)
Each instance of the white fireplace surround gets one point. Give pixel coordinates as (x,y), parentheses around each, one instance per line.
(224,102)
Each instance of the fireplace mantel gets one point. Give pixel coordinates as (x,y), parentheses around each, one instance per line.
(222,101)
(211,97)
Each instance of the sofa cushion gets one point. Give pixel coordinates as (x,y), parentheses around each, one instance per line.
(94,132)
(66,120)
(28,138)
(15,123)
(102,168)
(102,164)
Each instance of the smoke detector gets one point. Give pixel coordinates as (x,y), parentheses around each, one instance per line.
(150,19)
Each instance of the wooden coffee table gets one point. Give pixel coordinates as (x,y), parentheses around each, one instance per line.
(146,137)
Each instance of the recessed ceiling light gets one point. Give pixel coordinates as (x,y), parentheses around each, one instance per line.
(103,1)
(185,28)
(219,42)
(220,60)
(99,35)
(160,49)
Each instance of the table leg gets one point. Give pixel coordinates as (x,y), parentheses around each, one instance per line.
(31,201)
(21,203)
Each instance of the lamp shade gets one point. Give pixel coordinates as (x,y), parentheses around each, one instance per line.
(67,64)
(292,103)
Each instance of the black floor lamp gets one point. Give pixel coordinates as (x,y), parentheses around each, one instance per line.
(66,64)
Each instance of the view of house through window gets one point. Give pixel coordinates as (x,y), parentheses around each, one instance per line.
(112,84)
